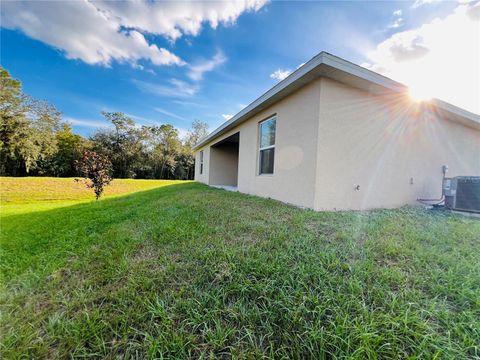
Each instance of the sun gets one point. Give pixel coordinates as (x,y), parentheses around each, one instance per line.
(419,94)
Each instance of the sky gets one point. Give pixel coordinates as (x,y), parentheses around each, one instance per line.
(174,62)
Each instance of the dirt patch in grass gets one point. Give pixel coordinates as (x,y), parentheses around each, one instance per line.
(145,252)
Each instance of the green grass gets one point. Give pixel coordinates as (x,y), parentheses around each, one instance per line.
(28,194)
(51,189)
(186,271)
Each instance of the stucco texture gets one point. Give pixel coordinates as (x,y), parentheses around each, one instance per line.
(339,148)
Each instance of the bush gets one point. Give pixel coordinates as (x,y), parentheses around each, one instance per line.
(97,168)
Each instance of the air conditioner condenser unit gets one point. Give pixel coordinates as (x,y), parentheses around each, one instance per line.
(462,193)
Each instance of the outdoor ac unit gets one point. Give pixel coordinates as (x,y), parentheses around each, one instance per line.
(462,193)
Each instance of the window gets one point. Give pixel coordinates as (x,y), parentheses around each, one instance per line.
(201,162)
(267,146)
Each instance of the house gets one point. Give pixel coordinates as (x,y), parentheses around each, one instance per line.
(336,136)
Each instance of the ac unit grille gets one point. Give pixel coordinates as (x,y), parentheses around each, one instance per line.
(468,194)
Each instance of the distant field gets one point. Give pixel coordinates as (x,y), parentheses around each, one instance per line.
(23,195)
(33,189)
(186,271)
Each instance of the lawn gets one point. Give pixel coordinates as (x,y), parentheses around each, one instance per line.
(180,270)
(51,192)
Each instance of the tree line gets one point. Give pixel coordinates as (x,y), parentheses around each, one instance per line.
(35,141)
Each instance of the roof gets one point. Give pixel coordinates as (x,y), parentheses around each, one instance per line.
(333,67)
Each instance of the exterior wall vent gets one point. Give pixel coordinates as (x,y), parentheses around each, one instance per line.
(462,193)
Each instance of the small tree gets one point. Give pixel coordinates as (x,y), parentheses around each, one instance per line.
(97,168)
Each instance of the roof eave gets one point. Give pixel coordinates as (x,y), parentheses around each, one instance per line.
(325,64)
(245,112)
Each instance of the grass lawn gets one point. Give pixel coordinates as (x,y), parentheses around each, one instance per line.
(49,192)
(187,271)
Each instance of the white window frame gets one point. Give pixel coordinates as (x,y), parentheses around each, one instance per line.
(201,162)
(273,117)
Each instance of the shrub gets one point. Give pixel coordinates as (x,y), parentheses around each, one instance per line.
(97,169)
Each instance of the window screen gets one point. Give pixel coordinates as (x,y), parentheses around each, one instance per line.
(267,146)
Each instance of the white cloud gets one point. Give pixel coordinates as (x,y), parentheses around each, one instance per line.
(419,3)
(99,32)
(398,19)
(197,70)
(438,59)
(177,88)
(280,74)
(168,113)
(227,116)
(87,123)
(82,32)
(176,18)
(397,23)
(189,103)
(138,118)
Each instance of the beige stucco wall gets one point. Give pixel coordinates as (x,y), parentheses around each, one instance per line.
(204,177)
(393,148)
(331,138)
(223,165)
(293,180)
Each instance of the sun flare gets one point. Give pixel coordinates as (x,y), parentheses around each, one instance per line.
(419,94)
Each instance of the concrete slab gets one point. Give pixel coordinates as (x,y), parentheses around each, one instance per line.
(225,187)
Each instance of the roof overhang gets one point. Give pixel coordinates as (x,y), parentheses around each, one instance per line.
(333,67)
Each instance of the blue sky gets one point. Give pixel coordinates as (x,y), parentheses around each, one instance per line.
(176,62)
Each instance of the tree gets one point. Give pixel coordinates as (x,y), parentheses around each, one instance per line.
(34,141)
(164,146)
(40,144)
(12,120)
(70,148)
(198,131)
(97,168)
(123,145)
(27,129)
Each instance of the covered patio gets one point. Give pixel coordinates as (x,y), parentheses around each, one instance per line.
(224,163)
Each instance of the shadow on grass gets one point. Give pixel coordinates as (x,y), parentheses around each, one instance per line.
(42,240)
(35,244)
(188,271)
(46,203)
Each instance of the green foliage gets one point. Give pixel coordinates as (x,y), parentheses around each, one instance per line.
(34,141)
(165,146)
(97,169)
(13,124)
(186,271)
(11,96)
(39,143)
(27,129)
(198,131)
(122,145)
(187,159)
(70,148)
(149,151)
